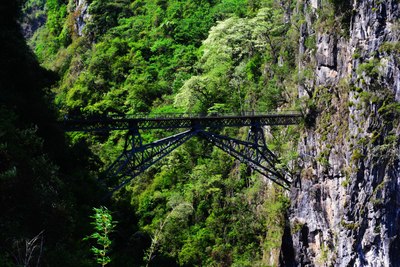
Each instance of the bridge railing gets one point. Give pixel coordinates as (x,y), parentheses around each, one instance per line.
(183,115)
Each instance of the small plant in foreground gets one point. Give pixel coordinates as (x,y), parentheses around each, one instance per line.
(103,226)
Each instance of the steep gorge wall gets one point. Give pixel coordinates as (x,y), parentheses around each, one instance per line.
(346,206)
(33,16)
(81,14)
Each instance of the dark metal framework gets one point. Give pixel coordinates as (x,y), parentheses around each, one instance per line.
(138,157)
(178,121)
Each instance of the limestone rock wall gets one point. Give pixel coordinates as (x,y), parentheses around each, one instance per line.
(81,15)
(346,206)
(34,17)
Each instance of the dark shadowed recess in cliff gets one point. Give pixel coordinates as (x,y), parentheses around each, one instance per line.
(45,186)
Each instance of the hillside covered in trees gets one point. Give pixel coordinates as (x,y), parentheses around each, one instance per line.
(199,206)
(333,61)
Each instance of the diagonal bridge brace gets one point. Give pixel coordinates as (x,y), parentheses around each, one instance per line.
(254,154)
(140,157)
(136,157)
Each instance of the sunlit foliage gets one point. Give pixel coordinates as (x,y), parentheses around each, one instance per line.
(199,207)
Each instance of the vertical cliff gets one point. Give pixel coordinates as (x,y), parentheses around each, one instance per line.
(81,15)
(346,206)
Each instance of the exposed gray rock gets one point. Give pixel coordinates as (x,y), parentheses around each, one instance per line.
(81,15)
(34,17)
(346,207)
(327,51)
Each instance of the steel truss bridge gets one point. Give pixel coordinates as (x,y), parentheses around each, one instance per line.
(138,157)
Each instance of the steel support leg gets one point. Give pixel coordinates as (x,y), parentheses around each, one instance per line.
(260,148)
(254,153)
(139,157)
(136,157)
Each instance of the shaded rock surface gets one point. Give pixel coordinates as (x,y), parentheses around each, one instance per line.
(34,17)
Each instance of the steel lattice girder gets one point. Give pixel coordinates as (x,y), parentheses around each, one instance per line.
(133,162)
(136,157)
(105,124)
(139,158)
(252,154)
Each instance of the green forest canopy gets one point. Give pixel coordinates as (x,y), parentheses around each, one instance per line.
(198,208)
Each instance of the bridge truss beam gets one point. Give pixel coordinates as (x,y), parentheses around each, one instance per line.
(177,121)
(251,154)
(135,160)
(136,157)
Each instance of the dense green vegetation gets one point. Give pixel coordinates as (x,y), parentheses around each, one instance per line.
(199,207)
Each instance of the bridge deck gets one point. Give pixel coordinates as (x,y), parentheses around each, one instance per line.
(176,121)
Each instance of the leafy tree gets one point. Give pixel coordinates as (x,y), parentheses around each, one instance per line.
(236,47)
(168,227)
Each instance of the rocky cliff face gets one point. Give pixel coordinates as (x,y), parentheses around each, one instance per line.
(81,15)
(346,206)
(33,16)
